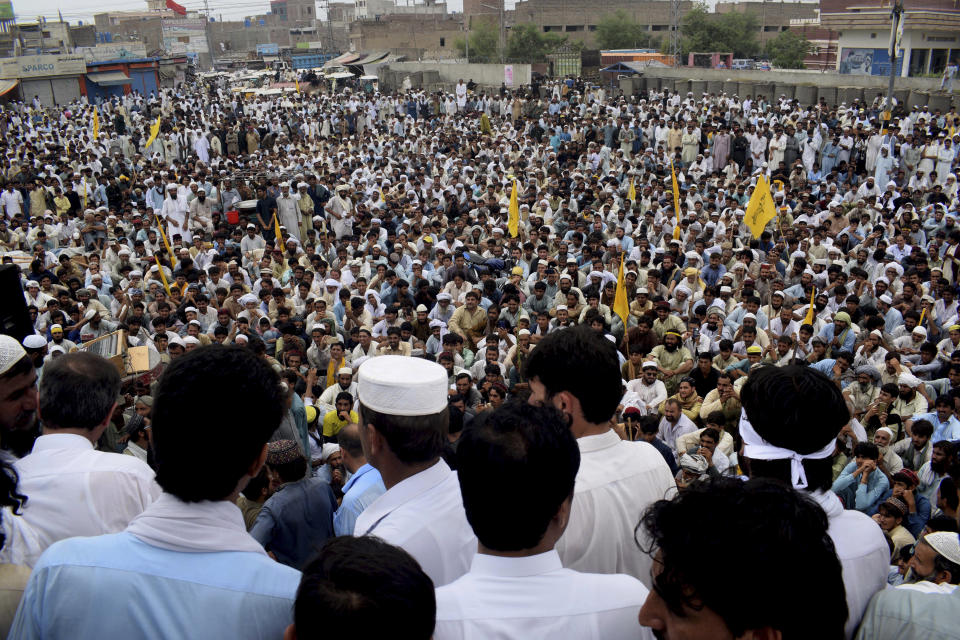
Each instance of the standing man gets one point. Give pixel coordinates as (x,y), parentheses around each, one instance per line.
(364,486)
(75,490)
(18,397)
(516,471)
(174,213)
(617,479)
(791,419)
(189,553)
(288,211)
(403,428)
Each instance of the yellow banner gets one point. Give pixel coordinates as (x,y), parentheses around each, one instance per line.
(163,236)
(808,319)
(96,124)
(621,306)
(154,131)
(513,221)
(760,209)
(676,201)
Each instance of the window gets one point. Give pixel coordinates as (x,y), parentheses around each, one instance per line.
(574,27)
(873,35)
(547,28)
(443,42)
(591,27)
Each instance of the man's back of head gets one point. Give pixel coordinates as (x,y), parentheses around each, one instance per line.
(797,409)
(363,588)
(204,448)
(778,532)
(78,392)
(516,470)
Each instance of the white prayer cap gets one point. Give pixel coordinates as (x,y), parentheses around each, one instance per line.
(328,450)
(190,340)
(885,298)
(403,386)
(920,331)
(946,543)
(241,338)
(35,341)
(888,431)
(173,186)
(344,371)
(649,364)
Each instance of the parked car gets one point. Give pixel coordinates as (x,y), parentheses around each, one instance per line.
(742,63)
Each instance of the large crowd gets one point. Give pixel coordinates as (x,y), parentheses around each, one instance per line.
(611,395)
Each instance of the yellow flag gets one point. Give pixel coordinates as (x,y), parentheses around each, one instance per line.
(513,221)
(808,319)
(923,312)
(163,276)
(154,132)
(297,80)
(632,193)
(676,202)
(621,306)
(276,229)
(760,209)
(163,236)
(96,124)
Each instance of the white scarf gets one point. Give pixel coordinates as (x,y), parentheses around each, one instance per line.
(754,446)
(193,527)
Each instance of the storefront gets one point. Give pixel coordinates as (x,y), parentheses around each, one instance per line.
(105,80)
(52,79)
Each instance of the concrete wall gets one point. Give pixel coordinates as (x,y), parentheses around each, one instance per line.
(794,77)
(487,75)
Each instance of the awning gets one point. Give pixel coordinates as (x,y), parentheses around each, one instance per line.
(6,86)
(108,78)
(368,59)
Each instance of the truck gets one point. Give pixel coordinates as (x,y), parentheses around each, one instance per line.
(310,60)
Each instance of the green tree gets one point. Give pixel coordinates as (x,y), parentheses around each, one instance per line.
(484,43)
(528,45)
(704,31)
(788,50)
(619,31)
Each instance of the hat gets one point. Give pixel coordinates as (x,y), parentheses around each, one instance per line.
(649,364)
(906,476)
(328,450)
(35,341)
(311,413)
(898,505)
(946,543)
(908,380)
(11,351)
(517,271)
(695,463)
(886,299)
(56,328)
(403,386)
(282,452)
(842,316)
(754,349)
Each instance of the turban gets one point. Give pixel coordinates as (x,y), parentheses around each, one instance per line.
(695,463)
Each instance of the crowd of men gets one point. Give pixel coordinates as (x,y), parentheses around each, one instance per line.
(797,386)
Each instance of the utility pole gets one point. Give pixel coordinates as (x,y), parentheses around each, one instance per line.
(503,29)
(330,43)
(896,31)
(675,31)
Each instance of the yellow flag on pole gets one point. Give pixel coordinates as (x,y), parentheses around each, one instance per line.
(513,221)
(621,306)
(676,202)
(808,319)
(163,236)
(276,229)
(632,193)
(163,276)
(297,80)
(760,209)
(923,312)
(96,124)
(154,132)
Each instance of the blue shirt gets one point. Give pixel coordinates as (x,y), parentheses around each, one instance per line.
(296,520)
(165,594)
(859,496)
(949,430)
(364,487)
(827,333)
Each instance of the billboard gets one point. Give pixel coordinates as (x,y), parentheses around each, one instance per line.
(184,35)
(6,9)
(40,66)
(268,49)
(868,62)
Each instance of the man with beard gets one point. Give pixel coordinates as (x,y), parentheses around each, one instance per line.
(926,607)
(18,397)
(711,332)
(666,321)
(646,391)
(932,472)
(673,360)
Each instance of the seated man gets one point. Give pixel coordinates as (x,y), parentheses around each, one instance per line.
(777,527)
(517,469)
(188,555)
(861,484)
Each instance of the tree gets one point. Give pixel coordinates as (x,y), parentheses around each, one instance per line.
(619,31)
(704,31)
(788,50)
(484,43)
(528,45)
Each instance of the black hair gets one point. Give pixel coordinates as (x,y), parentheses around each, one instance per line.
(922,428)
(796,408)
(866,450)
(78,391)
(349,441)
(412,439)
(362,587)
(256,485)
(560,355)
(649,424)
(776,528)
(236,430)
(516,468)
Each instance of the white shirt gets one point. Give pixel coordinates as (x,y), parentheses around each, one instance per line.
(616,483)
(74,490)
(535,597)
(669,433)
(863,553)
(424,516)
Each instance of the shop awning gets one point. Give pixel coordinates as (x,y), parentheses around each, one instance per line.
(108,78)
(6,86)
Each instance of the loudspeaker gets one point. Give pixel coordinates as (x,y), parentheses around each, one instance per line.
(14,319)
